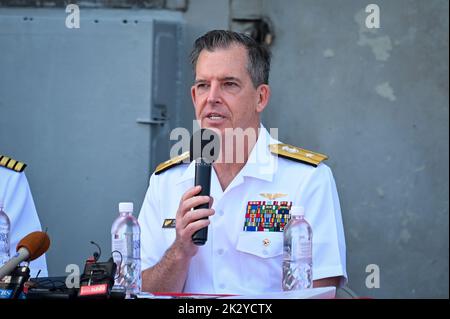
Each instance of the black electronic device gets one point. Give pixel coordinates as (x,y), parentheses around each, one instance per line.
(49,288)
(204,150)
(11,286)
(97,279)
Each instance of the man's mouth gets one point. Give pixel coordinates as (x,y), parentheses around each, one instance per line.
(215,116)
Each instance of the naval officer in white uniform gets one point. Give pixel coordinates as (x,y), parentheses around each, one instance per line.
(242,255)
(19,206)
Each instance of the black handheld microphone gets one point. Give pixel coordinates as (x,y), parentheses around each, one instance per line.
(204,150)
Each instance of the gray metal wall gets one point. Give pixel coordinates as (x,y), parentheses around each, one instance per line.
(81,107)
(375,101)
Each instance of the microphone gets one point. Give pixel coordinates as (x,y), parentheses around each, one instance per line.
(29,248)
(204,149)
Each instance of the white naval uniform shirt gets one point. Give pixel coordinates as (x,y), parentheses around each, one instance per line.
(19,206)
(235,261)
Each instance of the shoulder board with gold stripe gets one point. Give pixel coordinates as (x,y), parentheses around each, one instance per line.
(171,163)
(297,154)
(12,164)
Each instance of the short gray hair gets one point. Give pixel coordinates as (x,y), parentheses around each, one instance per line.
(258,66)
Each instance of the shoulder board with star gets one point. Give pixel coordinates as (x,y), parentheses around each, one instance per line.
(171,163)
(12,164)
(297,154)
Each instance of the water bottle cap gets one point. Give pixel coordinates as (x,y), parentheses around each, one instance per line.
(126,207)
(297,211)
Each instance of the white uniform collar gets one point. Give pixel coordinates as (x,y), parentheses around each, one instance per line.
(261,163)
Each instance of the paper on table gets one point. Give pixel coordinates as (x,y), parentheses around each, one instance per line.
(174,295)
(313,293)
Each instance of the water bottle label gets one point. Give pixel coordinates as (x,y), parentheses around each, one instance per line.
(4,241)
(305,249)
(301,250)
(120,245)
(129,248)
(4,230)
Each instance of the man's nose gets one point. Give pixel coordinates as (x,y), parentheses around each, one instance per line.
(214,94)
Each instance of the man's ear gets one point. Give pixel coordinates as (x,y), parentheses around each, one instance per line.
(193,96)
(263,97)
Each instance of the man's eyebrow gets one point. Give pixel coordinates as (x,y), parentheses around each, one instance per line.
(230,78)
(226,78)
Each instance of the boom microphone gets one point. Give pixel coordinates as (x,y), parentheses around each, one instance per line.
(204,149)
(29,248)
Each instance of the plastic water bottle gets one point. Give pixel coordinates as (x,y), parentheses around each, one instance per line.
(125,233)
(297,252)
(5,227)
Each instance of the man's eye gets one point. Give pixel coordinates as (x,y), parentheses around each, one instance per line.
(202,86)
(230,84)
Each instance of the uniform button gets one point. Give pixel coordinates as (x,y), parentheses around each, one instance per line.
(222,286)
(221,212)
(265,252)
(220,251)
